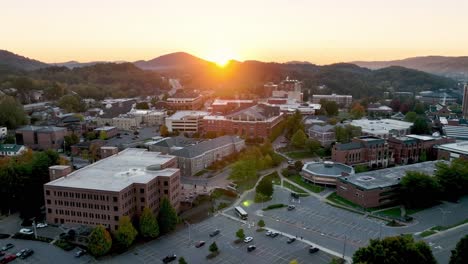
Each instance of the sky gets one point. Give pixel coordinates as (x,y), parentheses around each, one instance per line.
(319,31)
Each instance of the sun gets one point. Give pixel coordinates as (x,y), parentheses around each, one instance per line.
(221,58)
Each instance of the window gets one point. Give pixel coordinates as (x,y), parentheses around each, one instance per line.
(116,208)
(47,192)
(115,198)
(142,190)
(142,199)
(116,218)
(166,192)
(166,183)
(49,210)
(48,201)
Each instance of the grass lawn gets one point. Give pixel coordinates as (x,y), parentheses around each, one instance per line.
(300,154)
(392,212)
(293,188)
(427,233)
(246,184)
(298,180)
(414,210)
(339,200)
(441,228)
(274,177)
(260,198)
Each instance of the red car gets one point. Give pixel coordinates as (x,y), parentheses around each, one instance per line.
(8,258)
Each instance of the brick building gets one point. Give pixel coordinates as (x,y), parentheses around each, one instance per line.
(380,187)
(186,121)
(341,100)
(325,173)
(412,148)
(120,185)
(225,106)
(253,122)
(41,137)
(184,101)
(324,134)
(371,151)
(452,151)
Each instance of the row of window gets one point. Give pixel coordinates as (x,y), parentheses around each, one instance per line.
(89,196)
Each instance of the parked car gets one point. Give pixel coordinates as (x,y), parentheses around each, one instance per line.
(80,253)
(27,253)
(251,248)
(200,244)
(7,259)
(291,207)
(248,239)
(295,195)
(274,234)
(41,225)
(269,233)
(169,258)
(2,253)
(21,252)
(7,246)
(313,249)
(292,239)
(215,233)
(26,231)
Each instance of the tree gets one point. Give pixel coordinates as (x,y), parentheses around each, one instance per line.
(344,134)
(357,111)
(453,178)
(411,117)
(142,105)
(399,249)
(330,107)
(312,145)
(91,135)
(167,217)
(419,190)
(240,233)
(54,92)
(126,233)
(265,187)
(460,253)
(423,156)
(71,103)
(420,126)
(148,224)
(419,108)
(164,131)
(298,165)
(293,262)
(12,114)
(299,139)
(71,140)
(102,135)
(100,241)
(213,247)
(261,223)
(293,124)
(182,260)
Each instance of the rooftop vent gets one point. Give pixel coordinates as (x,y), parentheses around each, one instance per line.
(328,164)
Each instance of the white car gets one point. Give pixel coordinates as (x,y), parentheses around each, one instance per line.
(248,239)
(26,231)
(269,233)
(41,225)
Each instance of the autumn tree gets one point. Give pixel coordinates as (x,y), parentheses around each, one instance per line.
(357,111)
(148,224)
(126,233)
(100,241)
(299,139)
(12,114)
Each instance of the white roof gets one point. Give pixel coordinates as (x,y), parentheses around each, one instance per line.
(382,126)
(182,114)
(118,171)
(459,147)
(225,102)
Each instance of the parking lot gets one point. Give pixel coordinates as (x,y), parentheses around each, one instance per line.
(269,250)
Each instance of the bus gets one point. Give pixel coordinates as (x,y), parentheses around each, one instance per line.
(241,212)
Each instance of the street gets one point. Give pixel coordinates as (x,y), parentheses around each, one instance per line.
(442,243)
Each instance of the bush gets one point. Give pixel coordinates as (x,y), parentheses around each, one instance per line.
(273,206)
(212,255)
(63,244)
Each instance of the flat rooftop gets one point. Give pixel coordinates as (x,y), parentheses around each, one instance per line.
(327,169)
(460,147)
(118,171)
(382,126)
(389,176)
(182,114)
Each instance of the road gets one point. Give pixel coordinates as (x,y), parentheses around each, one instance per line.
(442,243)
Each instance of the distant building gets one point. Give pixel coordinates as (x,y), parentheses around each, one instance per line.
(290,106)
(370,151)
(88,146)
(41,137)
(457,132)
(182,100)
(325,173)
(193,157)
(324,134)
(378,110)
(380,187)
(105,191)
(186,121)
(257,121)
(465,102)
(434,97)
(113,108)
(3,132)
(342,100)
(225,106)
(110,131)
(383,128)
(453,151)
(11,150)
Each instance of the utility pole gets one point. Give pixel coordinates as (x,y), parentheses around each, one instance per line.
(34,227)
(344,247)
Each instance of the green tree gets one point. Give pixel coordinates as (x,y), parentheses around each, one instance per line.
(330,107)
(293,262)
(293,124)
(420,126)
(91,135)
(411,117)
(100,241)
(298,165)
(12,114)
(102,135)
(419,108)
(344,134)
(357,111)
(213,247)
(164,131)
(182,260)
(72,103)
(265,187)
(148,224)
(261,223)
(313,145)
(126,233)
(399,249)
(453,178)
(423,156)
(142,105)
(299,139)
(460,253)
(54,92)
(419,190)
(240,233)
(167,217)
(71,140)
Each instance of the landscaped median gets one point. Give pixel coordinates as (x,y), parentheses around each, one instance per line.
(295,189)
(274,206)
(436,229)
(296,178)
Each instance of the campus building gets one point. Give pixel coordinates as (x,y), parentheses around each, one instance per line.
(324,134)
(184,101)
(453,151)
(186,121)
(225,106)
(372,152)
(380,187)
(11,150)
(120,185)
(383,128)
(41,137)
(256,121)
(325,173)
(341,100)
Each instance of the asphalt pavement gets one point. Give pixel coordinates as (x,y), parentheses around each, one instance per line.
(443,242)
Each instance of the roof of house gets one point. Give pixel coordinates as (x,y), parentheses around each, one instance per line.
(327,169)
(259,111)
(178,141)
(325,128)
(10,147)
(460,147)
(205,146)
(115,108)
(47,129)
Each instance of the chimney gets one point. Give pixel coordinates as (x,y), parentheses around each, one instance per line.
(59,171)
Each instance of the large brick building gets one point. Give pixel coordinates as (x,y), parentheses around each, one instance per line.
(184,101)
(371,151)
(225,106)
(41,137)
(120,185)
(256,121)
(186,121)
(453,151)
(380,187)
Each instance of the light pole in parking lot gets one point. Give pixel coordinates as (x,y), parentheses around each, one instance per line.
(188,224)
(344,247)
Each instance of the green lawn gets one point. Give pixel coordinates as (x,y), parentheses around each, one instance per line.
(392,212)
(274,177)
(441,228)
(339,200)
(293,188)
(427,233)
(300,154)
(311,187)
